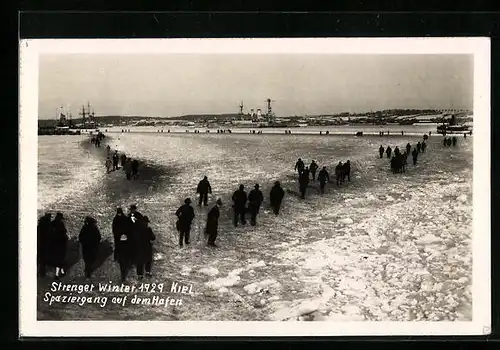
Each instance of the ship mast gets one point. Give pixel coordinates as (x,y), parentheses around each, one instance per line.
(241,110)
(82,113)
(91,112)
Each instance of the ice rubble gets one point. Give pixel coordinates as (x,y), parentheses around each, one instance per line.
(209,271)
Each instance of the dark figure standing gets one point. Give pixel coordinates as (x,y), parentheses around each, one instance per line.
(338,173)
(381,151)
(448,142)
(399,162)
(408,148)
(119,227)
(115,160)
(445,141)
(204,189)
(59,244)
(255,199)
(303,182)
(213,223)
(393,164)
(415,156)
(143,248)
(419,147)
(404,158)
(323,178)
(44,234)
(276,197)
(424,145)
(124,252)
(388,152)
(89,238)
(123,159)
(299,166)
(454,140)
(239,202)
(465,135)
(396,151)
(135,168)
(346,171)
(313,168)
(185,215)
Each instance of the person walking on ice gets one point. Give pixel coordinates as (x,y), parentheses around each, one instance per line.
(276,197)
(89,238)
(185,215)
(323,178)
(255,199)
(239,202)
(213,223)
(204,189)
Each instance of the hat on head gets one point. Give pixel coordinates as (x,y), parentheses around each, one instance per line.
(256,185)
(242,187)
(59,215)
(187,200)
(90,220)
(219,201)
(277,183)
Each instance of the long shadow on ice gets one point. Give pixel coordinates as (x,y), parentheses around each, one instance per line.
(72,253)
(150,178)
(105,250)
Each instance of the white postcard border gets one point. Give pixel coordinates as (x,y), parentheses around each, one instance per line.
(481,288)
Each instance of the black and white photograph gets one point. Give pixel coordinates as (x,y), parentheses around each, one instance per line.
(255,187)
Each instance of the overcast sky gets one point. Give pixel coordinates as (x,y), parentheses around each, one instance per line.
(177,84)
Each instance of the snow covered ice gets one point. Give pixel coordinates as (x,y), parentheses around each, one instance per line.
(383,247)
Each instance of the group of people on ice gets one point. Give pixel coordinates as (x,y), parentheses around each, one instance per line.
(130,166)
(97,139)
(243,203)
(132,243)
(342,171)
(448,141)
(399,160)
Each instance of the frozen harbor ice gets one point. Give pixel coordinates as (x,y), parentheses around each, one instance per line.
(384,247)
